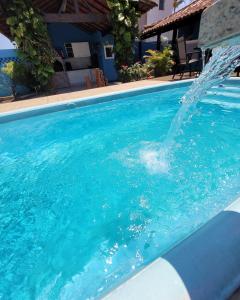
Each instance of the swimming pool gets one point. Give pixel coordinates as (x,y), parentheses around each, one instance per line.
(87,200)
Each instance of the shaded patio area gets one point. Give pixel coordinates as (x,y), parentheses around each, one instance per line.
(184,25)
(81,38)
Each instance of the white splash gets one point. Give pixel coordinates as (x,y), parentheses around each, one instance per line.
(154,161)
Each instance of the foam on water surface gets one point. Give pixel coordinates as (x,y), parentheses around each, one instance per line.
(153,157)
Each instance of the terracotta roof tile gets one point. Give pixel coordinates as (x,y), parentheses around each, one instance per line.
(192,9)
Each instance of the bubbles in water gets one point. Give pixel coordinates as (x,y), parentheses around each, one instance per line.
(144,202)
(154,161)
(151,155)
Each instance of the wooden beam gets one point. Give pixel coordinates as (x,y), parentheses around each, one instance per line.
(63,6)
(75,18)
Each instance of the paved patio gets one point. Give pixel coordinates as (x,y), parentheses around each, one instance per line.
(70,94)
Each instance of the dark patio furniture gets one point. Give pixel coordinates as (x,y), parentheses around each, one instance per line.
(187,60)
(237,70)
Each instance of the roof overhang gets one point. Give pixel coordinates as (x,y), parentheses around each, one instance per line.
(187,14)
(89,15)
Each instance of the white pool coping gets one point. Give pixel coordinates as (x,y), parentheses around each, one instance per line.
(78,102)
(66,104)
(159,280)
(234,207)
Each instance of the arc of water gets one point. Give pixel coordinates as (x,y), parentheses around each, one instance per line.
(223,61)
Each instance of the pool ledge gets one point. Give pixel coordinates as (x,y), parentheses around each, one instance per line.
(35,110)
(205,266)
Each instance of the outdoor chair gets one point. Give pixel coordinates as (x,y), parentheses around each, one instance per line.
(237,70)
(188,61)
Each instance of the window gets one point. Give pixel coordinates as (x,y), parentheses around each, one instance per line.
(161,4)
(69,50)
(79,49)
(108,51)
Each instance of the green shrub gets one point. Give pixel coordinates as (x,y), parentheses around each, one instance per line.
(160,62)
(29,31)
(135,72)
(124,19)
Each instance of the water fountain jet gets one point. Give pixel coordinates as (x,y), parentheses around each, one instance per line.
(220,31)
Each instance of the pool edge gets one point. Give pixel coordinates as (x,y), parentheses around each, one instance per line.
(84,101)
(35,110)
(205,265)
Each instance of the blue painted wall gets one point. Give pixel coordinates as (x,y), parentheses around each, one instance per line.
(7,55)
(108,65)
(4,53)
(145,46)
(61,33)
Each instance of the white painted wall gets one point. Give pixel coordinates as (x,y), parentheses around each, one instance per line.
(81,49)
(155,15)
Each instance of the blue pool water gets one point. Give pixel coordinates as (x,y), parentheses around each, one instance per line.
(87,198)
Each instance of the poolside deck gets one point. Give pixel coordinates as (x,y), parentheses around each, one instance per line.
(70,94)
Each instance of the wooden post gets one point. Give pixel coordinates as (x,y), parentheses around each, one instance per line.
(174,37)
(63,6)
(159,41)
(76,6)
(140,50)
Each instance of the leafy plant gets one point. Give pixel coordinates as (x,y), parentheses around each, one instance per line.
(160,62)
(17,73)
(176,4)
(124,16)
(29,32)
(135,72)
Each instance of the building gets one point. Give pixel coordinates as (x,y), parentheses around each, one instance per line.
(185,22)
(163,9)
(80,31)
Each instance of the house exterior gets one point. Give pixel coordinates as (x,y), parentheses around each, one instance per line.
(80,31)
(163,9)
(81,51)
(185,22)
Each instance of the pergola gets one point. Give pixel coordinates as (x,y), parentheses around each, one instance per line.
(186,16)
(90,15)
